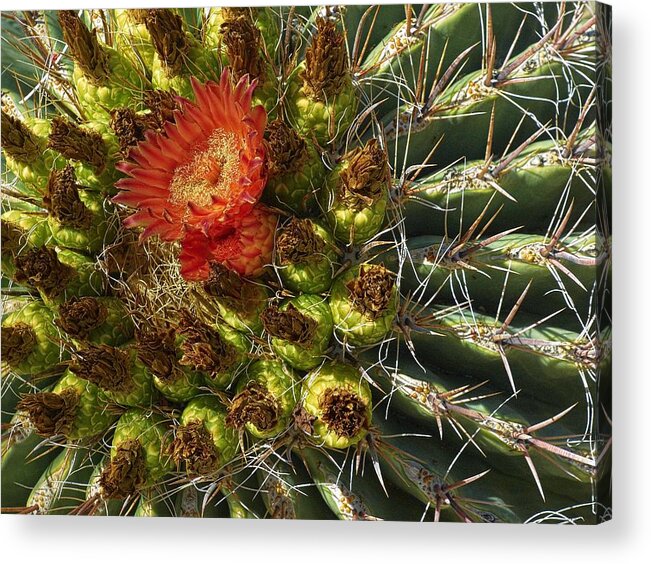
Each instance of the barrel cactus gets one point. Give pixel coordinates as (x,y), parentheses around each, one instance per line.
(333,262)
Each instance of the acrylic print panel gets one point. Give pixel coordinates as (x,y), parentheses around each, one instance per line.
(345,262)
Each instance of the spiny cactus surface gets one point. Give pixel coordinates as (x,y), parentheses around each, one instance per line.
(332,262)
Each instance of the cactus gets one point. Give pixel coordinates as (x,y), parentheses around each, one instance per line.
(334,262)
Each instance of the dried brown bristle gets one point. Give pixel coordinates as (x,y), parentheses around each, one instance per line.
(17,343)
(298,243)
(255,405)
(194,445)
(126,473)
(78,144)
(62,200)
(18,141)
(169,39)
(366,177)
(343,412)
(243,42)
(105,366)
(84,46)
(290,324)
(371,290)
(79,316)
(326,62)
(42,269)
(51,414)
(285,149)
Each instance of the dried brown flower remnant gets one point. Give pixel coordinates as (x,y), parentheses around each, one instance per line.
(243,42)
(298,242)
(343,412)
(162,105)
(371,291)
(18,141)
(42,269)
(104,366)
(290,324)
(155,346)
(17,343)
(126,473)
(78,144)
(84,46)
(255,405)
(129,128)
(326,62)
(366,177)
(169,38)
(194,446)
(63,202)
(79,316)
(52,414)
(286,150)
(203,348)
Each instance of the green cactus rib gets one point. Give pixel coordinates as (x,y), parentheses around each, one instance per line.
(354,496)
(558,279)
(446,31)
(288,493)
(530,187)
(549,363)
(537,92)
(58,490)
(24,459)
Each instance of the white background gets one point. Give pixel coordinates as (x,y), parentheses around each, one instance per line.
(627,538)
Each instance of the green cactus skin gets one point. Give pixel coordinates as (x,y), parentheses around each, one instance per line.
(45,353)
(119,91)
(137,388)
(447,30)
(57,492)
(296,191)
(210,412)
(92,240)
(182,387)
(485,278)
(302,272)
(244,315)
(304,356)
(360,328)
(242,345)
(152,431)
(325,121)
(354,496)
(351,226)
(322,390)
(278,383)
(111,326)
(289,494)
(536,181)
(25,456)
(92,417)
(469,105)
(21,230)
(132,40)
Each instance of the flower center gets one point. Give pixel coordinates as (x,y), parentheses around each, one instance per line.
(210,173)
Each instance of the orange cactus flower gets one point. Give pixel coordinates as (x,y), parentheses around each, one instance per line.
(204,170)
(245,245)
